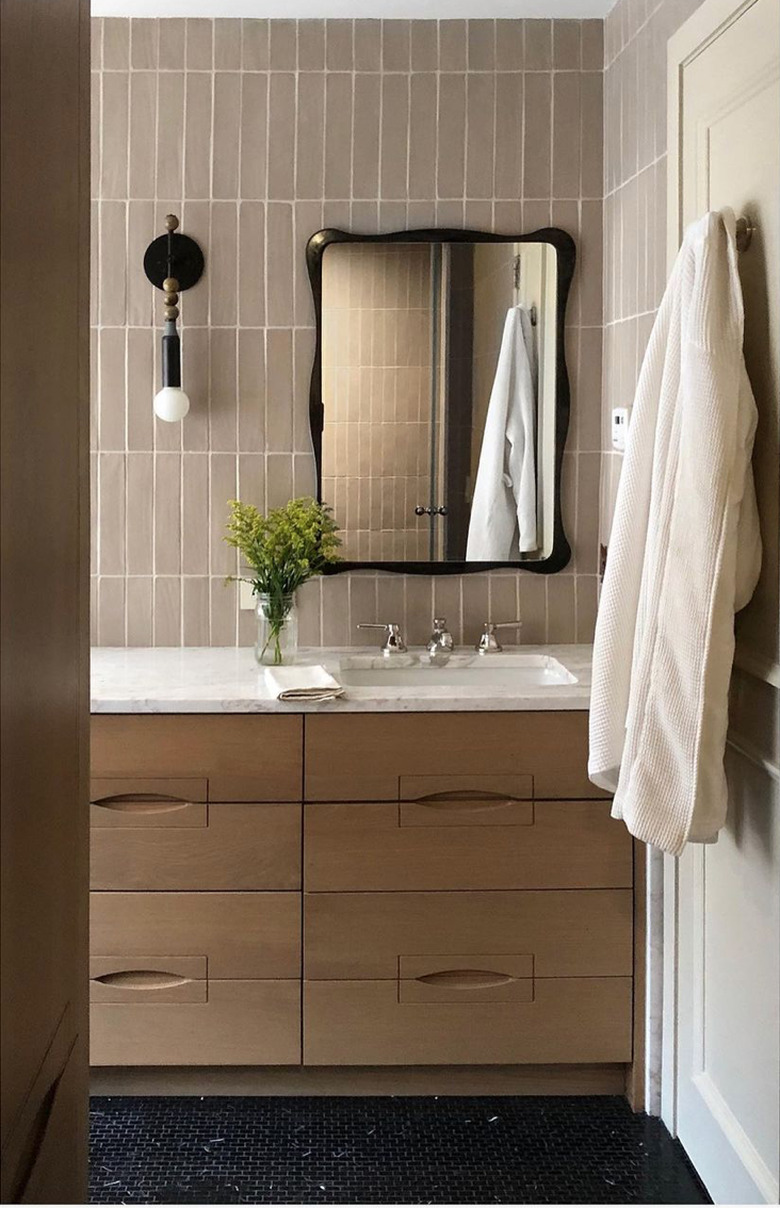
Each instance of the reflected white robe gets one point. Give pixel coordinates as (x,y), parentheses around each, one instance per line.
(503,508)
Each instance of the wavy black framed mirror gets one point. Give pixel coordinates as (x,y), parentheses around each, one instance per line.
(439,400)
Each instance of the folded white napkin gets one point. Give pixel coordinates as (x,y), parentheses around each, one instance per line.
(303,683)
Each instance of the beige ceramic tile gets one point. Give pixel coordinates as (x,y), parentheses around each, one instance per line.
(224,613)
(251,264)
(281,117)
(338,119)
(395,136)
(283,51)
(280,255)
(253,135)
(172,33)
(227,109)
(567,40)
(170,135)
(227,44)
(116,44)
(310,135)
(254,44)
(561,619)
(450,135)
(143,117)
(140,514)
(508,147)
(339,45)
(311,45)
(396,45)
(111,370)
(533,609)
(200,44)
(424,45)
(194,507)
(566,134)
(223,394)
(368,45)
(452,46)
(111,612)
(222,488)
(113,175)
(144,36)
(167,514)
(112,511)
(139,611)
(537,174)
(195,611)
(538,45)
(278,479)
(251,390)
(223,264)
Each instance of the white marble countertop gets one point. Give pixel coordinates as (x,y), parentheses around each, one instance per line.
(228,680)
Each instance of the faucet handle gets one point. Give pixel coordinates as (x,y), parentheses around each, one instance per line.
(488,642)
(394,642)
(441,644)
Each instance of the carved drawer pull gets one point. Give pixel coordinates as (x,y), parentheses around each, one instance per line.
(175,979)
(466,801)
(145,803)
(143,979)
(466,807)
(465,979)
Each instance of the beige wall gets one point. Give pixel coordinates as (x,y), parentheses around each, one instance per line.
(376,390)
(259,134)
(635,36)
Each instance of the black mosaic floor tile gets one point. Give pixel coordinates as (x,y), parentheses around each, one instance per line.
(479,1150)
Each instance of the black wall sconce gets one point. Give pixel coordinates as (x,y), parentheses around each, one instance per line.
(172,262)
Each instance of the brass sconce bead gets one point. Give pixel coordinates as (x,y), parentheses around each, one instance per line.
(171,299)
(171,312)
(171,222)
(170,285)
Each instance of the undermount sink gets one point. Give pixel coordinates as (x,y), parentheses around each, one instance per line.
(478,672)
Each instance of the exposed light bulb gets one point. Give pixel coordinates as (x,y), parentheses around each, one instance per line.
(171,404)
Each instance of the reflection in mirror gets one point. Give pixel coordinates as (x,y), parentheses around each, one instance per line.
(442,382)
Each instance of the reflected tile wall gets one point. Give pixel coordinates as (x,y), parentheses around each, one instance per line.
(258,133)
(635,36)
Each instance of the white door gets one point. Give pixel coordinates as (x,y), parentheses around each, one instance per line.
(722,966)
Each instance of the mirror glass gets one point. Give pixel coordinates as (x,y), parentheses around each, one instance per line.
(441,398)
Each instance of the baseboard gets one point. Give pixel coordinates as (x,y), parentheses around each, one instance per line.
(361,1080)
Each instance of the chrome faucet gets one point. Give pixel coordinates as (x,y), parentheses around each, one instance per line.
(441,644)
(488,642)
(394,642)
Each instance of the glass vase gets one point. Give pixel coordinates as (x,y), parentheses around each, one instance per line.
(277,630)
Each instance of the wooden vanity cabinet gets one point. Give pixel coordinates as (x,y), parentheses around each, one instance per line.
(428,889)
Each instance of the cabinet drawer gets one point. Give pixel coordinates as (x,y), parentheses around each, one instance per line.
(238,935)
(567,1020)
(364,757)
(235,1023)
(414,936)
(141,843)
(240,757)
(452,843)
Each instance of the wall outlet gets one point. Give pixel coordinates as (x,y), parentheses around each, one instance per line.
(619,428)
(246,597)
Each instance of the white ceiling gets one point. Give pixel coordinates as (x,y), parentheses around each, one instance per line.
(388,9)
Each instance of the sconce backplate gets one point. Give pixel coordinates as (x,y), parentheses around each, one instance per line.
(186,261)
